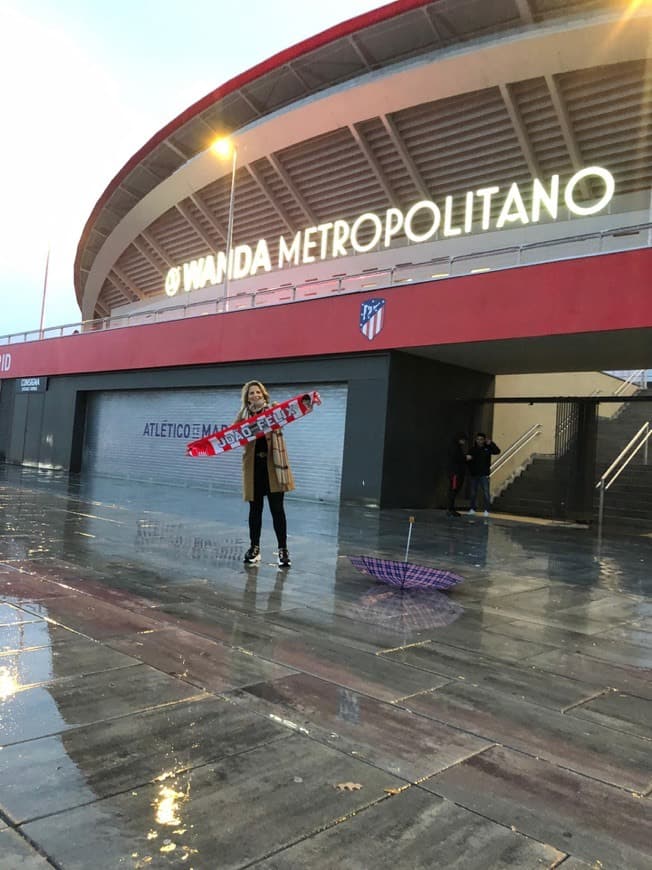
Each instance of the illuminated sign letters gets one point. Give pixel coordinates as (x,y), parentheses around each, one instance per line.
(340,238)
(5,362)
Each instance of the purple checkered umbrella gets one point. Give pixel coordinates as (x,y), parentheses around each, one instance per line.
(405,575)
(406,611)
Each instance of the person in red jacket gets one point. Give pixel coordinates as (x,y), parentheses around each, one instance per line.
(479,467)
(458,459)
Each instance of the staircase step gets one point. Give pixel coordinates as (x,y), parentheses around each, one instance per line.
(640,485)
(524,497)
(530,511)
(628,493)
(627,522)
(523,504)
(627,510)
(542,489)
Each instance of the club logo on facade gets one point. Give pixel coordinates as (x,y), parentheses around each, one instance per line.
(372,317)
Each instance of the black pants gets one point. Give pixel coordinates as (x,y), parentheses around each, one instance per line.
(455,483)
(275,499)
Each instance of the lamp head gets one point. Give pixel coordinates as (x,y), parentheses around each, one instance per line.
(223,147)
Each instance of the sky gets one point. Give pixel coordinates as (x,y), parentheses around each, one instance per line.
(85,84)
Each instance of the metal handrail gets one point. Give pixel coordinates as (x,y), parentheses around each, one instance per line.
(511,451)
(630,380)
(633,375)
(643,435)
(394,275)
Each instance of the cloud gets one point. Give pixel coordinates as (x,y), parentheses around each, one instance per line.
(67,131)
(84,87)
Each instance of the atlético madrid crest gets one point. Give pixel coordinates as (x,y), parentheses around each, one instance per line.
(372,317)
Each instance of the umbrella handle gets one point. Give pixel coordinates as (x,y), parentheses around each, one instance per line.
(407,549)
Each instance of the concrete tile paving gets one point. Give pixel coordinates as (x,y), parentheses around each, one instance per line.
(162,706)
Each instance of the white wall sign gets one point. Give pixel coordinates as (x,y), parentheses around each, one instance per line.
(340,238)
(31,385)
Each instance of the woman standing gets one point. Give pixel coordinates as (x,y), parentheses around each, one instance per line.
(265,472)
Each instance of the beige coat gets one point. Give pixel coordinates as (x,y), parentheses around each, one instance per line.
(248,472)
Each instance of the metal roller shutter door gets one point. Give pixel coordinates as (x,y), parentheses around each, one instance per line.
(141,435)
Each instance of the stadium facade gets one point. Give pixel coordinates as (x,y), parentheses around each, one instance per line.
(416,201)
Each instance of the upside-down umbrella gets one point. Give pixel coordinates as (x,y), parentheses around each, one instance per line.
(405,611)
(406,575)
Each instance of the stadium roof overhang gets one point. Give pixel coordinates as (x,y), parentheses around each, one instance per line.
(414,100)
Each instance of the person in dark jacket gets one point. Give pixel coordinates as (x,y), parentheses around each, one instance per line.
(479,467)
(458,458)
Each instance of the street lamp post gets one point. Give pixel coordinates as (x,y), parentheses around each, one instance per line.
(225,148)
(45,290)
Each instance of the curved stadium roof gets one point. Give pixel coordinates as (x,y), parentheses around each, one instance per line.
(414,100)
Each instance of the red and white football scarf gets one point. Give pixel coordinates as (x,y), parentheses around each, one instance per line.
(269,420)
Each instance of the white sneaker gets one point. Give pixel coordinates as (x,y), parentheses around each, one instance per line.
(284,558)
(485,514)
(471,511)
(252,555)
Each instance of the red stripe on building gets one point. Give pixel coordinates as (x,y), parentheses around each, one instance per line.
(597,294)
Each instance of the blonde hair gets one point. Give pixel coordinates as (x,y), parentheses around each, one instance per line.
(243,413)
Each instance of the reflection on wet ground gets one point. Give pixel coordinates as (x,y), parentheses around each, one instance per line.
(161,705)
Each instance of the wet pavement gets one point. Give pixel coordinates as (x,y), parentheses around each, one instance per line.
(163,706)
